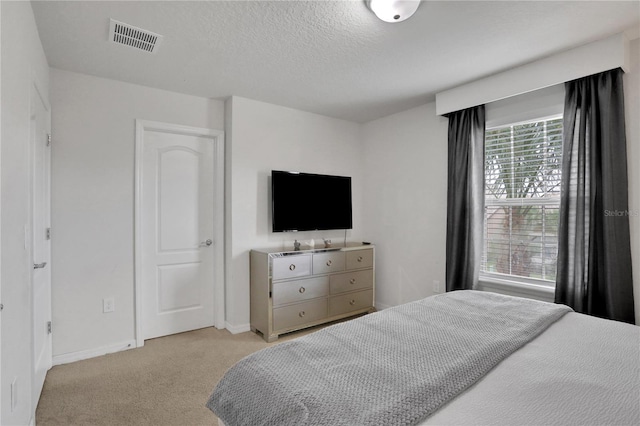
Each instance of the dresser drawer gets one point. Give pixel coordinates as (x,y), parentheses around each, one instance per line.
(350,302)
(356,280)
(299,314)
(299,290)
(358,259)
(326,263)
(291,266)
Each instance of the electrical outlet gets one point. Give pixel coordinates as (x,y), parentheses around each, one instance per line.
(437,286)
(108,305)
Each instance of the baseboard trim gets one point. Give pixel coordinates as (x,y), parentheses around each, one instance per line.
(237,329)
(92,353)
(382,306)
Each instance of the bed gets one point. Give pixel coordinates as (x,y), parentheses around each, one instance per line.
(462,358)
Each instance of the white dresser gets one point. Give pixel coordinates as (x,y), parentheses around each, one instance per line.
(291,290)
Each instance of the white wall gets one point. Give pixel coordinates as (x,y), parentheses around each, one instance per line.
(631,83)
(405,195)
(406,200)
(1,382)
(23,62)
(262,137)
(93,127)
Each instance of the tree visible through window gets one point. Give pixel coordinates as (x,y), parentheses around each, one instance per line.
(522,199)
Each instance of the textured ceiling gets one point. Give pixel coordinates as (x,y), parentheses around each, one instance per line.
(330,57)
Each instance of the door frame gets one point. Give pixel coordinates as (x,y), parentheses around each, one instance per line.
(217,137)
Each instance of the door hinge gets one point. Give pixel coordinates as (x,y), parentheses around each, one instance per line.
(1,307)
(49,328)
(48,139)
(47,234)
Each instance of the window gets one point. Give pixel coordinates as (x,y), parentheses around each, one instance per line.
(522,201)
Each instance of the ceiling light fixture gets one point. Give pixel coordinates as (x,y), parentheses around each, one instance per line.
(393,10)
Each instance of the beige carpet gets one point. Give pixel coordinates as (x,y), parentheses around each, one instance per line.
(166,382)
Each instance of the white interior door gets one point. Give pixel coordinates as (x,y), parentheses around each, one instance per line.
(41,244)
(177,241)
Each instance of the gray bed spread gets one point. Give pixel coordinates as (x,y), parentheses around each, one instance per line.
(394,367)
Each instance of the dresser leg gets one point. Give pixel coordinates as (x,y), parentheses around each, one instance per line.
(252,328)
(272,338)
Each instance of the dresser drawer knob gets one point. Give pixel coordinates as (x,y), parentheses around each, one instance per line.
(292,267)
(301,314)
(352,281)
(302,290)
(328,263)
(359,258)
(353,302)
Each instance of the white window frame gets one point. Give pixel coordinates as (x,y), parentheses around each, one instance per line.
(511,284)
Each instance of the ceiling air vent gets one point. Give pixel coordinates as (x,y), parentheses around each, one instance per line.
(131,36)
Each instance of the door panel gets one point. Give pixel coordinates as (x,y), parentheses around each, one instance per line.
(40,244)
(177,218)
(179,190)
(179,287)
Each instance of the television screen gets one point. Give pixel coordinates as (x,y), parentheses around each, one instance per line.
(307,202)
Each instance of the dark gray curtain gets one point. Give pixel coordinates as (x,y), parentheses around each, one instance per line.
(594,253)
(465,197)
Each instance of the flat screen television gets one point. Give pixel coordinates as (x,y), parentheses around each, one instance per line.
(309,202)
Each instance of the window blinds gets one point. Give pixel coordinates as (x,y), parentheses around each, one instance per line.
(522,199)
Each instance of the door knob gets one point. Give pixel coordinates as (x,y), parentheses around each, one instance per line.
(39,265)
(206,243)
